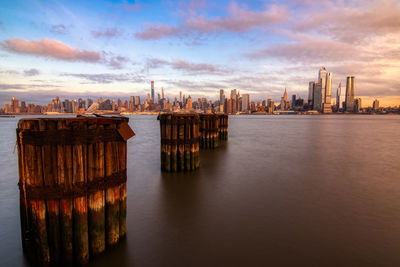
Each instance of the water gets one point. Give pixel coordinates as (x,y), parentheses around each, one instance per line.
(282,191)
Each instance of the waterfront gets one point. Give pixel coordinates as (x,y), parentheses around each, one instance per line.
(283,190)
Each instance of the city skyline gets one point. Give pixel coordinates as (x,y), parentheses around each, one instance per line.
(114,49)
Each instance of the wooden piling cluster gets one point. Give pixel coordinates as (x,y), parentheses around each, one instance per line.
(223,126)
(72,187)
(179,141)
(209,130)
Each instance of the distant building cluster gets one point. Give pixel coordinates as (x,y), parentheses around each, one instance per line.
(319,101)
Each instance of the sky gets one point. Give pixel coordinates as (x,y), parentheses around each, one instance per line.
(115,48)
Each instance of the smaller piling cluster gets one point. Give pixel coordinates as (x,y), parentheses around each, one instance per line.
(182,134)
(223,126)
(179,141)
(209,130)
(72,187)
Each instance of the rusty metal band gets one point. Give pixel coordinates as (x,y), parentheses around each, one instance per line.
(192,141)
(76,190)
(68,136)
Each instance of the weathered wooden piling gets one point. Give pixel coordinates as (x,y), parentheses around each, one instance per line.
(179,141)
(72,187)
(223,126)
(210,130)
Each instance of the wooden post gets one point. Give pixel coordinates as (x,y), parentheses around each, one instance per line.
(80,216)
(181,160)
(174,150)
(49,160)
(187,144)
(168,123)
(196,144)
(192,144)
(216,130)
(122,200)
(163,135)
(33,176)
(96,200)
(64,175)
(112,194)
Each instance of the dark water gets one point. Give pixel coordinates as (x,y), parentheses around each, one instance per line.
(282,191)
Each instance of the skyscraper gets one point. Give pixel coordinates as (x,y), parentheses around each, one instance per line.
(375,105)
(245,102)
(326,106)
(322,81)
(357,105)
(152,92)
(350,94)
(338,93)
(162,92)
(310,94)
(317,97)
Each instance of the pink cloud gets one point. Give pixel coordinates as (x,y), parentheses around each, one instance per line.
(110,32)
(239,20)
(353,23)
(186,66)
(157,31)
(50,48)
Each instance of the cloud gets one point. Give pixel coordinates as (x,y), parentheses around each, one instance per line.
(158,31)
(51,49)
(353,23)
(59,29)
(8,87)
(309,50)
(57,50)
(239,20)
(106,78)
(31,72)
(110,32)
(186,66)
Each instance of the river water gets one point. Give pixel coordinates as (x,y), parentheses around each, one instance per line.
(282,191)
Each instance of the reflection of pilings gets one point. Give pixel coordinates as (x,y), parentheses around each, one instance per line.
(179,141)
(223,126)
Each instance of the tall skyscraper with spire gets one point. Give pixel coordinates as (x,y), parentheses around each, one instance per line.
(322,81)
(326,106)
(350,94)
(338,93)
(152,92)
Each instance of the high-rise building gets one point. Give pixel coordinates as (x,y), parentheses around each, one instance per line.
(245,102)
(284,100)
(322,81)
(350,94)
(189,103)
(310,93)
(326,106)
(162,92)
(270,105)
(338,93)
(180,96)
(152,92)
(137,100)
(293,104)
(221,98)
(317,97)
(357,105)
(375,105)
